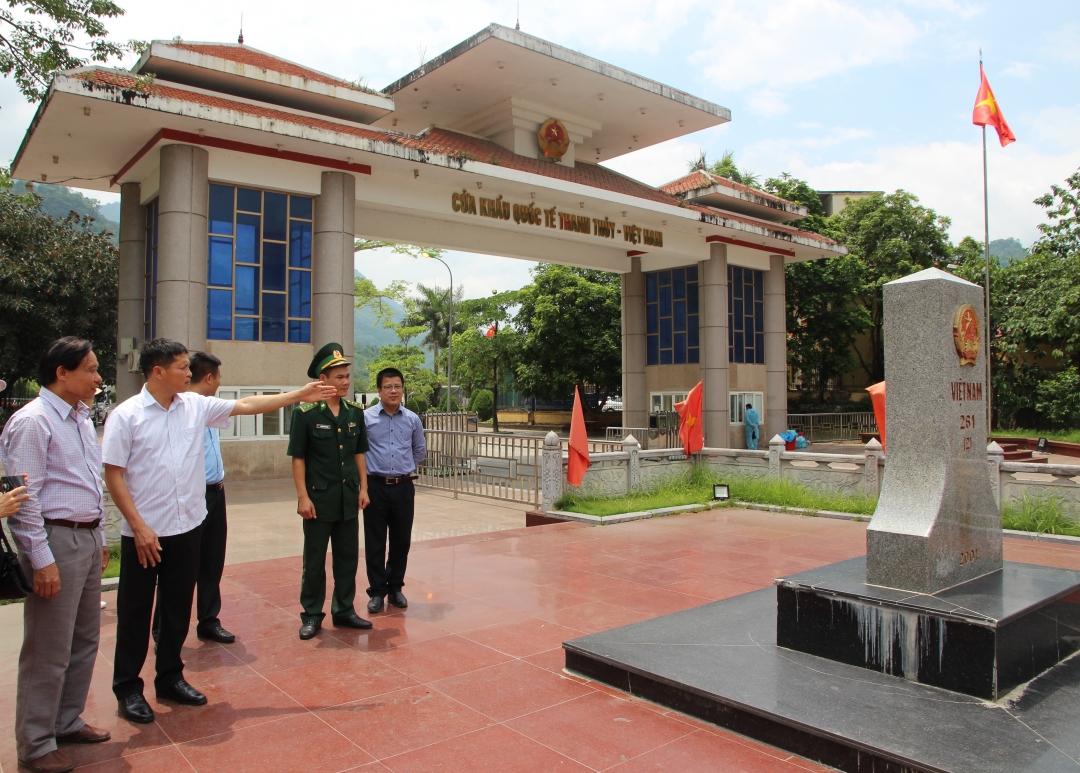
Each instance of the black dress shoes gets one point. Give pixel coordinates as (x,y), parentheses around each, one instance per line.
(397,599)
(182,692)
(309,629)
(375,604)
(215,633)
(135,709)
(352,621)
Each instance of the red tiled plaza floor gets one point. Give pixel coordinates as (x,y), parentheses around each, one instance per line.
(469,677)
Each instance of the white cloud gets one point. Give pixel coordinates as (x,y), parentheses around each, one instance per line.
(788,43)
(767,103)
(1022,70)
(661,163)
(1056,124)
(478,274)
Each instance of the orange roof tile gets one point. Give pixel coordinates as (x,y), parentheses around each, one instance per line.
(699,178)
(255,58)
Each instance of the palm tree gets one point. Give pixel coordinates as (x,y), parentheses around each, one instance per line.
(432,312)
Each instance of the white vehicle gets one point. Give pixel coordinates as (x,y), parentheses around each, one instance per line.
(612,404)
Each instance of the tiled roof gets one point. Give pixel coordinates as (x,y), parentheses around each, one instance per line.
(255,58)
(699,179)
(724,214)
(438,141)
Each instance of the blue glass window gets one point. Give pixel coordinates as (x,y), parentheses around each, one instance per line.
(746,315)
(219,315)
(264,255)
(671,317)
(221,209)
(150,270)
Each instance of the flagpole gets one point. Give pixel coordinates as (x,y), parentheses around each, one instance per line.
(986,256)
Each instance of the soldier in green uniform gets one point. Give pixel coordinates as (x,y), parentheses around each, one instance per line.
(327,443)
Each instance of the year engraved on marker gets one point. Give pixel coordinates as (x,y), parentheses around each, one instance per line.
(967,556)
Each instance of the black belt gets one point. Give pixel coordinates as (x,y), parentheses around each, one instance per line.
(215,486)
(392,481)
(73,524)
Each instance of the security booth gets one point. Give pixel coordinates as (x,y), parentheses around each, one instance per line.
(245,178)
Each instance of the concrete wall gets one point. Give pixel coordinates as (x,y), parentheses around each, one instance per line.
(250,363)
(183,203)
(256,459)
(129,318)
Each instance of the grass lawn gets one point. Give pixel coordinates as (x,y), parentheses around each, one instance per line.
(695,487)
(1066,435)
(1042,514)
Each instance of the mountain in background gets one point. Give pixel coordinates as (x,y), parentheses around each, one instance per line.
(1007,250)
(369,336)
(58,201)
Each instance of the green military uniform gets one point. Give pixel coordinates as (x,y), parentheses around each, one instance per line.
(329,445)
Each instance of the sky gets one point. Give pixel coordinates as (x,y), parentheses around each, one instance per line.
(845,95)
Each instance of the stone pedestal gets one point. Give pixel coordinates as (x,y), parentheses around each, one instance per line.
(936,523)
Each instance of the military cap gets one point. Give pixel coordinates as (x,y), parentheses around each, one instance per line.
(329,356)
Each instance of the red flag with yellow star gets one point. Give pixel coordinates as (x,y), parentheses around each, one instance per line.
(689,411)
(987,112)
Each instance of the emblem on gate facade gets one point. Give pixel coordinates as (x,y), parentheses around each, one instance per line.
(553,138)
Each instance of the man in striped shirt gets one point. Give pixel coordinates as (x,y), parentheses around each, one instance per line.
(60,537)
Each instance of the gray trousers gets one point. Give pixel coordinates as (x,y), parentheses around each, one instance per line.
(60,644)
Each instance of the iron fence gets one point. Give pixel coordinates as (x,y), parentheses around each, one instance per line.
(817,427)
(662,432)
(456,421)
(485,465)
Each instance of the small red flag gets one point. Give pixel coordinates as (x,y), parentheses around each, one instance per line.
(578,462)
(491,331)
(690,431)
(987,112)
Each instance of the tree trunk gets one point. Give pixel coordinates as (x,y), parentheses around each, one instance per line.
(495,395)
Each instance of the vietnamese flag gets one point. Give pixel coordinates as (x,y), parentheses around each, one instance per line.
(689,411)
(578,462)
(491,331)
(987,112)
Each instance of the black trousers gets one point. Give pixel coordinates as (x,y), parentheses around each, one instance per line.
(390,513)
(215,533)
(174,579)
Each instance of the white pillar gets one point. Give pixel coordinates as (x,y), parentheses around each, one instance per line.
(775,348)
(182,210)
(333,288)
(635,397)
(714,345)
(129,310)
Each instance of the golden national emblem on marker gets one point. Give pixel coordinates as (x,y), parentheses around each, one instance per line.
(966,335)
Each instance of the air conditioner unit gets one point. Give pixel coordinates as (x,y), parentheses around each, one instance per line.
(133,361)
(127,346)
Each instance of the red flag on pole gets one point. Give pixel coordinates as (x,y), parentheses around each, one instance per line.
(987,112)
(579,445)
(491,331)
(690,431)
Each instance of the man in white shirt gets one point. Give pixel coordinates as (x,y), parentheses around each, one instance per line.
(155,471)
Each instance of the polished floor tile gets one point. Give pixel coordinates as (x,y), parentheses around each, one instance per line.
(492,750)
(511,689)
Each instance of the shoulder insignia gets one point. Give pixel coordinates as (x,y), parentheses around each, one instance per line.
(354,404)
(307,407)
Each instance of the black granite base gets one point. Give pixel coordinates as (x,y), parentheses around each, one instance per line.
(720,662)
(982,638)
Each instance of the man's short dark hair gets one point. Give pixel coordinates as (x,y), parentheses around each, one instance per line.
(388,373)
(749,406)
(67,353)
(159,352)
(203,364)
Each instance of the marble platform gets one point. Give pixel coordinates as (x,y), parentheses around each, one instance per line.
(983,638)
(720,662)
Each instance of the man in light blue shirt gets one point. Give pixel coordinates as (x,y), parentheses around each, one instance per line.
(395,447)
(752,420)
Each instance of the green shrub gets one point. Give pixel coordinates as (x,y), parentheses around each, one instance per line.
(694,486)
(483,403)
(442,404)
(417,404)
(1040,513)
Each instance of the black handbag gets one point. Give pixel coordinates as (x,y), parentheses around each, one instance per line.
(13,584)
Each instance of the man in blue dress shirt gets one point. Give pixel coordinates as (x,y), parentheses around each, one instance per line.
(395,448)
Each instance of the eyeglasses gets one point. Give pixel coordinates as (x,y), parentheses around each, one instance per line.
(391,388)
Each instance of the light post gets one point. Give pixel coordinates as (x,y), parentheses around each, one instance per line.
(449,336)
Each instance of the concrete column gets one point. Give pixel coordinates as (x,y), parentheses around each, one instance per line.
(129,312)
(182,210)
(332,263)
(635,396)
(775,349)
(714,345)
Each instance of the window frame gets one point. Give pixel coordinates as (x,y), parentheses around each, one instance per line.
(738,401)
(284,415)
(672,298)
(668,397)
(738,334)
(151,226)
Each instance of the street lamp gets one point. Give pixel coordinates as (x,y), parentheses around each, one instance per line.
(449,335)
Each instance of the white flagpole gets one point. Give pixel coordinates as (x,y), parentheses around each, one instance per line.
(986,294)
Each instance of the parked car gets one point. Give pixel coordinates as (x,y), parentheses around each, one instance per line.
(612,404)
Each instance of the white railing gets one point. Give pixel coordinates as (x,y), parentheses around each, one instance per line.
(817,427)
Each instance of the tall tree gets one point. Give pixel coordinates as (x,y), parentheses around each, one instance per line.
(488,349)
(431,310)
(39,38)
(570,319)
(57,278)
(891,236)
